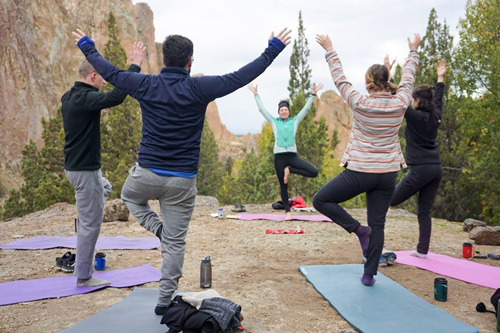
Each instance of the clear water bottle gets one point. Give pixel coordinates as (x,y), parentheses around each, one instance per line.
(206,273)
(221,215)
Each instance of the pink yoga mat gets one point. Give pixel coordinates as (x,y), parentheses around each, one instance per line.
(281,217)
(55,287)
(460,269)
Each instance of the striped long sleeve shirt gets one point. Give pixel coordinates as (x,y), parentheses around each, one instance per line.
(373,145)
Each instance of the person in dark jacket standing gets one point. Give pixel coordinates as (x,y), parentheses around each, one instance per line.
(81,112)
(422,154)
(173,108)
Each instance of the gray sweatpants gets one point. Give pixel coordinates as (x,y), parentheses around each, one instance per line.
(91,190)
(176,196)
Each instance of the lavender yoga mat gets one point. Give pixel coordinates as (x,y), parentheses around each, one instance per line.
(55,287)
(103,243)
(460,269)
(281,217)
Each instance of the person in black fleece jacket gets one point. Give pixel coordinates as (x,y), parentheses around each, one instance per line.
(173,106)
(422,154)
(81,113)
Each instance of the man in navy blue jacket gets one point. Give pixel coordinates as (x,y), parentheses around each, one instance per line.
(173,108)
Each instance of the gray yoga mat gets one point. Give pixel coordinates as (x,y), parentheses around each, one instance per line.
(387,307)
(134,314)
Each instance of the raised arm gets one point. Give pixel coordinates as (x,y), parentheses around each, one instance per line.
(212,87)
(302,113)
(438,93)
(408,76)
(130,82)
(350,95)
(99,100)
(261,107)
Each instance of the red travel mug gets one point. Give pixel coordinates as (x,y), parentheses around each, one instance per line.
(467,250)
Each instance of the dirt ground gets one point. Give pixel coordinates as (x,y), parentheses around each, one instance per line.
(255,270)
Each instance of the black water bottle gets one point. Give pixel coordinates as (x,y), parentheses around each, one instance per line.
(206,273)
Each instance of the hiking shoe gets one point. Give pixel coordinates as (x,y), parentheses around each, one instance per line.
(68,265)
(160,310)
(60,260)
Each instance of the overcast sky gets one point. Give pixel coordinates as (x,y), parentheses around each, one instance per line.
(228,34)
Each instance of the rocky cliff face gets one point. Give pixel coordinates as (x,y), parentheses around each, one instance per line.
(338,116)
(39,61)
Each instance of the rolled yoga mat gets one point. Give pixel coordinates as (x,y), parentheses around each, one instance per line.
(103,243)
(460,269)
(134,314)
(387,307)
(55,287)
(281,217)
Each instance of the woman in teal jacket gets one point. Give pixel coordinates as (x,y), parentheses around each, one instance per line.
(284,128)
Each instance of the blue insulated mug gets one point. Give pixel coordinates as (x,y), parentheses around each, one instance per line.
(100,261)
(440,289)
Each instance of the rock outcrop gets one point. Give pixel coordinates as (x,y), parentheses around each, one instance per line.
(485,235)
(39,60)
(115,210)
(470,224)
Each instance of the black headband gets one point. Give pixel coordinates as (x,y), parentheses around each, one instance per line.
(282,104)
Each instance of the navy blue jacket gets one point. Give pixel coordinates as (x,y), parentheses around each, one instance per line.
(173,104)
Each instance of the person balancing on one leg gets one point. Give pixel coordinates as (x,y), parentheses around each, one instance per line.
(173,105)
(285,128)
(373,155)
(81,112)
(423,118)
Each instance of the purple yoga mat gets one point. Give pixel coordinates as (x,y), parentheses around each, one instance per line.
(281,217)
(103,243)
(460,269)
(55,287)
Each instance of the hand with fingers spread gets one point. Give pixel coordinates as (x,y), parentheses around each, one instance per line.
(283,36)
(137,54)
(388,63)
(441,70)
(316,88)
(413,45)
(78,34)
(253,88)
(325,42)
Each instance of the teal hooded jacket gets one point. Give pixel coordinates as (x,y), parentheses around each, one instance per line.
(285,130)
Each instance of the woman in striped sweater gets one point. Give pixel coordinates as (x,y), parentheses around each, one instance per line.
(373,155)
(286,160)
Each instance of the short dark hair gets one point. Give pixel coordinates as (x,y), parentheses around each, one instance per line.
(177,50)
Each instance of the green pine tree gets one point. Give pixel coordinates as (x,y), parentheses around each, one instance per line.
(120,125)
(312,139)
(210,171)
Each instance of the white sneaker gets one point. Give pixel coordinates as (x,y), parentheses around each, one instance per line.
(419,255)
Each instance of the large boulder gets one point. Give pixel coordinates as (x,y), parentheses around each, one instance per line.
(485,235)
(115,210)
(470,224)
(206,201)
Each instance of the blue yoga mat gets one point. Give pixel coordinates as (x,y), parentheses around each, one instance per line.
(387,307)
(134,314)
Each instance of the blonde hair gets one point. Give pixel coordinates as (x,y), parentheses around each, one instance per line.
(85,69)
(377,78)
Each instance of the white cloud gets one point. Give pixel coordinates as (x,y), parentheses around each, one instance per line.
(228,34)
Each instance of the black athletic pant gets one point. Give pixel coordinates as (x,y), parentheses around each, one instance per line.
(425,179)
(296,165)
(379,188)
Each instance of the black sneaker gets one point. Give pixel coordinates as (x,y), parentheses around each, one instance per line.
(60,260)
(69,264)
